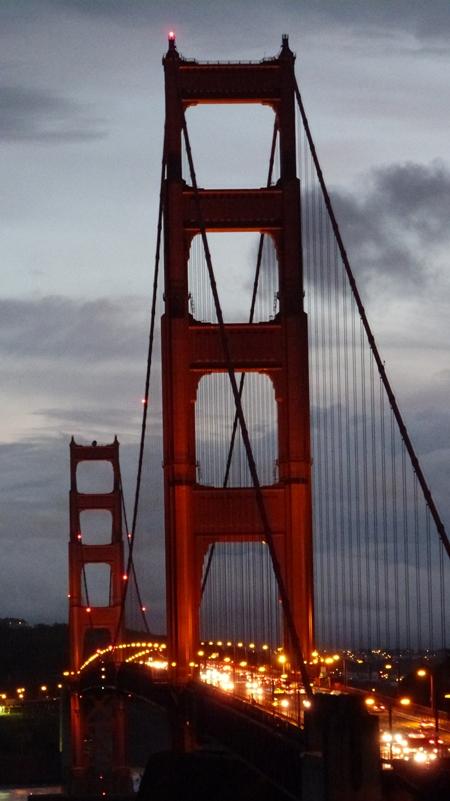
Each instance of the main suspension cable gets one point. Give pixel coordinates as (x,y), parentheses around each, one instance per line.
(131,534)
(131,569)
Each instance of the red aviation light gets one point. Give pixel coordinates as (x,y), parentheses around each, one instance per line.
(171,36)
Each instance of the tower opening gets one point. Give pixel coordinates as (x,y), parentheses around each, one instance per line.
(244,266)
(242,160)
(214,420)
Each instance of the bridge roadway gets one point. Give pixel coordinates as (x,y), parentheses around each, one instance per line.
(199,712)
(268,694)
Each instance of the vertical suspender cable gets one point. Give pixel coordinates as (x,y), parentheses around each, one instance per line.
(290,623)
(367,557)
(431,643)
(356,468)
(133,569)
(442,595)
(242,379)
(394,532)
(387,582)
(349,498)
(406,549)
(332,363)
(376,533)
(418,587)
(373,346)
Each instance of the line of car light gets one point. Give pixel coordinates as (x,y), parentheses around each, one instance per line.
(257,687)
(411,747)
(266,690)
(218,678)
(414,746)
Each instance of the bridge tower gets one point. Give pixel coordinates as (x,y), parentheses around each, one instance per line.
(87,624)
(196,515)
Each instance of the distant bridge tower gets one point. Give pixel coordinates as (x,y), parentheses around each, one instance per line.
(87,624)
(196,515)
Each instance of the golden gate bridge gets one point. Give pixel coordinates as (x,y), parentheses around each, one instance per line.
(302,538)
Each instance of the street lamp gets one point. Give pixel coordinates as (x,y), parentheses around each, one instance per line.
(405,701)
(423,673)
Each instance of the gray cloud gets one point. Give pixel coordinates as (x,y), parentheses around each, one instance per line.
(75,366)
(88,419)
(430,428)
(34,527)
(58,328)
(424,21)
(29,114)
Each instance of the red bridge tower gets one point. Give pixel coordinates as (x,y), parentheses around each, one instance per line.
(94,753)
(197,515)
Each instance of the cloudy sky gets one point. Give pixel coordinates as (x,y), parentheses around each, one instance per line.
(81,122)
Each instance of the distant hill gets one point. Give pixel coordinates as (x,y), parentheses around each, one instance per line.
(31,656)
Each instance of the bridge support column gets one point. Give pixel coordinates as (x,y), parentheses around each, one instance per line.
(342,757)
(121,781)
(182,725)
(78,766)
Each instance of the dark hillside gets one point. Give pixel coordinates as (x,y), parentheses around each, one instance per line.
(32,655)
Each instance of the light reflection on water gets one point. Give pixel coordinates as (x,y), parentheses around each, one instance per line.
(22,793)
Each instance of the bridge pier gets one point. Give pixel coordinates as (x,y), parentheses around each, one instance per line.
(182,725)
(342,757)
(98,749)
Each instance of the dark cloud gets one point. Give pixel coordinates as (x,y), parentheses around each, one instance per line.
(32,115)
(397,222)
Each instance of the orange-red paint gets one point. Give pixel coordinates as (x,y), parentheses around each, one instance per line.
(198,515)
